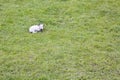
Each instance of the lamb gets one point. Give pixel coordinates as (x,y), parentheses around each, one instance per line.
(36,28)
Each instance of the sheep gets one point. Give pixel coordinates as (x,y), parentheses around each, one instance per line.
(36,28)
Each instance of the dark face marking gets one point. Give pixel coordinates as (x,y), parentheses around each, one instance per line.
(41,30)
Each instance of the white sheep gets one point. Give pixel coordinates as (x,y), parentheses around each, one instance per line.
(36,28)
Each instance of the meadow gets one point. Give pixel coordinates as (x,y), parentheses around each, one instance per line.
(81,40)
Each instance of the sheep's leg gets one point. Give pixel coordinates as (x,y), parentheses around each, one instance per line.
(35,31)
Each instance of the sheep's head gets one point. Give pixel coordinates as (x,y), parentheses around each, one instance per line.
(41,27)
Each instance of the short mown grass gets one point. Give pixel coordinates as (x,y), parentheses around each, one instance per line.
(81,40)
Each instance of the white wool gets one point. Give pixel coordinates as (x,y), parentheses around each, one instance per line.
(36,28)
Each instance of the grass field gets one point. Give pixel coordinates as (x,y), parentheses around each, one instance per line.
(81,40)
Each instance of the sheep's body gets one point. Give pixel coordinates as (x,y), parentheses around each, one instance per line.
(36,28)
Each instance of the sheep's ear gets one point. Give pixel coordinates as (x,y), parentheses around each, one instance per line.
(42,24)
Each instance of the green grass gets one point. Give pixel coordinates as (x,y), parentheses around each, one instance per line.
(81,40)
